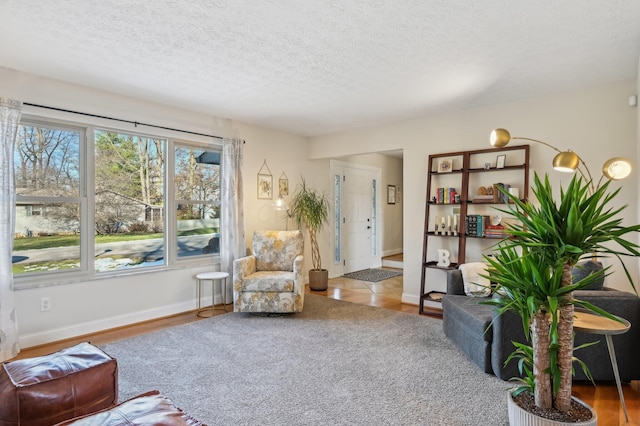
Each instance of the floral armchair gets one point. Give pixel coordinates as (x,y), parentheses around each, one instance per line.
(270,280)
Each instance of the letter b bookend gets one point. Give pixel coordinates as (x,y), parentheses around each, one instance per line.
(443,258)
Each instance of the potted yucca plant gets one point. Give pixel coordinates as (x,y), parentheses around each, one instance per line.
(311,208)
(532,272)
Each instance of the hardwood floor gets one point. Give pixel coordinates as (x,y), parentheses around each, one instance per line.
(385,294)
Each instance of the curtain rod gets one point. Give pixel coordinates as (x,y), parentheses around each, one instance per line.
(135,123)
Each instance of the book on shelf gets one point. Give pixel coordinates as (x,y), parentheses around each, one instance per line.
(475,225)
(498,196)
(495,231)
(482,198)
(445,195)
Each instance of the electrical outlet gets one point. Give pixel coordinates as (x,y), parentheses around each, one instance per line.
(45,304)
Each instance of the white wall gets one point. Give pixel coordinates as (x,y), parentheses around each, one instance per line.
(597,123)
(89,306)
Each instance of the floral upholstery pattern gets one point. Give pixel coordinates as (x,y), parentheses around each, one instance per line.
(276,250)
(270,280)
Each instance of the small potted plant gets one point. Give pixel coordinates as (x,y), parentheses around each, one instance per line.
(532,271)
(311,208)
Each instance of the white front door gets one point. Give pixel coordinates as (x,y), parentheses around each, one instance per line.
(359,219)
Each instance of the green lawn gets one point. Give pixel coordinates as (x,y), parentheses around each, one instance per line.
(41,243)
(74,240)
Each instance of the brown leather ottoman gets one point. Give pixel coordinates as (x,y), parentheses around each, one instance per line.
(46,390)
(150,408)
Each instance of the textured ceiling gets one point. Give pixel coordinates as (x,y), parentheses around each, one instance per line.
(311,67)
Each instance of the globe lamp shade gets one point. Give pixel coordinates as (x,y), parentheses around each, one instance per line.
(500,138)
(567,161)
(616,168)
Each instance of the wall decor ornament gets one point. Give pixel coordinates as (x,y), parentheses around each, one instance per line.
(283,185)
(265,182)
(445,165)
(391,194)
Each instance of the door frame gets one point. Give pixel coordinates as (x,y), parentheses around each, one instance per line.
(337,167)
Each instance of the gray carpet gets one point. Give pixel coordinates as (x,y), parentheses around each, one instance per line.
(336,363)
(372,275)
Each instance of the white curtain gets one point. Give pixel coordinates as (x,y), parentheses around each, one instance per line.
(9,121)
(232,245)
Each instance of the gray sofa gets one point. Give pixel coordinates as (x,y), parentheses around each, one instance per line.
(468,324)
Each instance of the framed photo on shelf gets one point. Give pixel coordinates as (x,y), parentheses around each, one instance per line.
(445,165)
(391,194)
(500,161)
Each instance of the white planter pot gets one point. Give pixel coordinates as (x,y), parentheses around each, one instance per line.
(521,417)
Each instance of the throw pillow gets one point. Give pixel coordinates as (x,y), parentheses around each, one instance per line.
(475,285)
(584,269)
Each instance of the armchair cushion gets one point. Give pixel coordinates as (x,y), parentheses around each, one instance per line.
(276,250)
(269,281)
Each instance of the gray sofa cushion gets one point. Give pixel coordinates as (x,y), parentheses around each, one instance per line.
(475,316)
(465,322)
(585,268)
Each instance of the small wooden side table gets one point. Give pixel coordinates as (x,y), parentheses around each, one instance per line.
(213,277)
(585,322)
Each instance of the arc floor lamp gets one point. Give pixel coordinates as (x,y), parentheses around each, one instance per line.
(615,168)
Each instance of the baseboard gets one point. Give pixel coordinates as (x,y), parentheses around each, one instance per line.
(410,299)
(56,334)
(391,252)
(393,264)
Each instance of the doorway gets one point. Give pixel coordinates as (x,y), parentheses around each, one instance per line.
(357,217)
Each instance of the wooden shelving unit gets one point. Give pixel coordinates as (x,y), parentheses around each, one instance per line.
(464,171)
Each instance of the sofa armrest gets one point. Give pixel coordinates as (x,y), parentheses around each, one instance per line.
(616,302)
(455,285)
(242,267)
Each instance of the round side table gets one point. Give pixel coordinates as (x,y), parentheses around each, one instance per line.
(585,322)
(213,277)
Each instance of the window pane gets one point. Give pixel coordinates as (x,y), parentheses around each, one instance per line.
(129,201)
(197,187)
(198,236)
(47,161)
(47,237)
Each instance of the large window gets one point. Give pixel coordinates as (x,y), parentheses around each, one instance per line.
(103,207)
